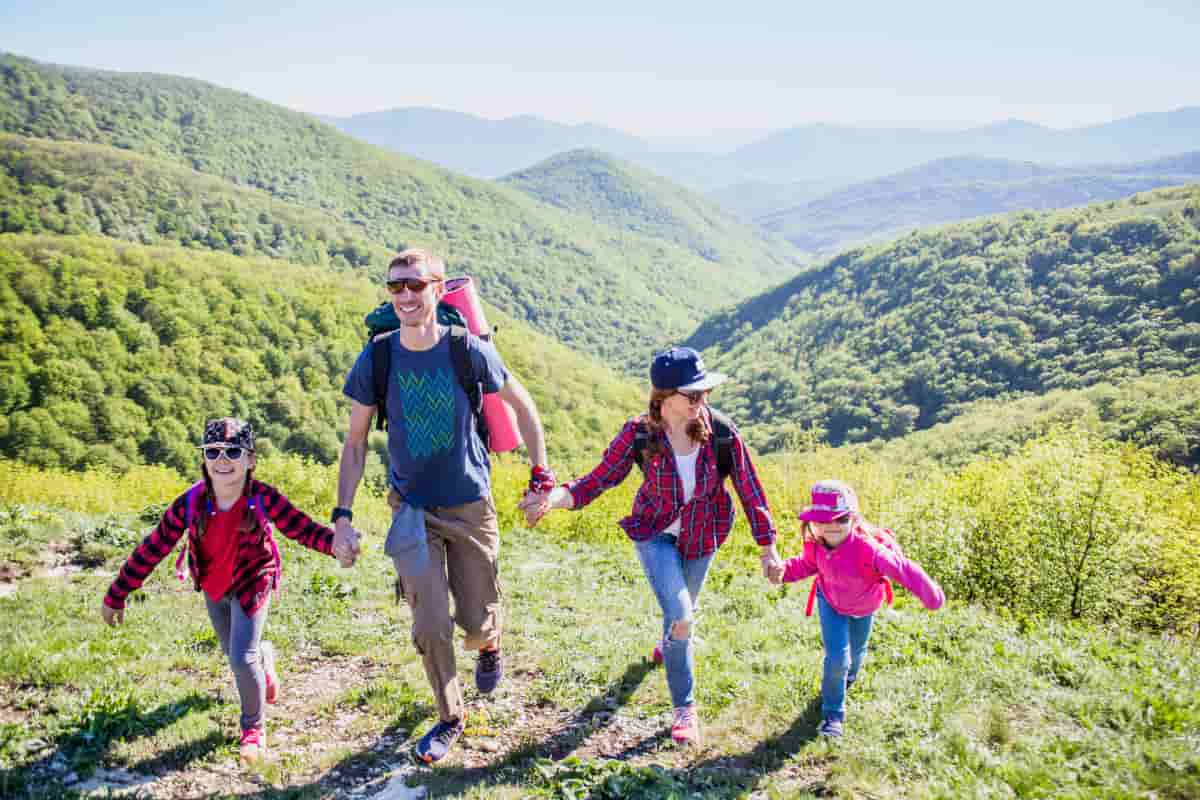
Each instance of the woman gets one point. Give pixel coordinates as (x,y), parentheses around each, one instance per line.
(682,512)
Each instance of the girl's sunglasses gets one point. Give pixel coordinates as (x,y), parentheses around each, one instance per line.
(414,285)
(232,453)
(695,398)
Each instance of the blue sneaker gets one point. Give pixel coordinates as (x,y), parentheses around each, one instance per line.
(441,737)
(831,728)
(489,669)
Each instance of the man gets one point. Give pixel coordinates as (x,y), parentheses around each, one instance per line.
(444,537)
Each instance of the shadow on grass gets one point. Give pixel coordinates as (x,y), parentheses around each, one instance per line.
(84,746)
(597,714)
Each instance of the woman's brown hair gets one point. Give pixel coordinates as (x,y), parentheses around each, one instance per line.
(698,429)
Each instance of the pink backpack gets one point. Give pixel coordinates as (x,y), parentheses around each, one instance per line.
(192,524)
(883,537)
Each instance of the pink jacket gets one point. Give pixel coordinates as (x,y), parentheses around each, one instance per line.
(851,575)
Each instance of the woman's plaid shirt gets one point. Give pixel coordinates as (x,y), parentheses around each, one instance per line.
(705,520)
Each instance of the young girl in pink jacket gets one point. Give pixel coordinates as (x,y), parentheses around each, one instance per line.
(852,562)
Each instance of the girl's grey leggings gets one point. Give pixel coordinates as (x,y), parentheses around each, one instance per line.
(241,642)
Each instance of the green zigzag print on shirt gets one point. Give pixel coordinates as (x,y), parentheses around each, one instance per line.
(428,402)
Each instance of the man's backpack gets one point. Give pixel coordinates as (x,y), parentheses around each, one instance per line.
(383,321)
(723,431)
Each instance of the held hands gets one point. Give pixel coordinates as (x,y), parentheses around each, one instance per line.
(112,616)
(537,499)
(535,505)
(345,542)
(772,564)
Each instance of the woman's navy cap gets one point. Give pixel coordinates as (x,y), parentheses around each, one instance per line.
(681,368)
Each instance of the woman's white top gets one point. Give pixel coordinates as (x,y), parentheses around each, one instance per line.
(686,467)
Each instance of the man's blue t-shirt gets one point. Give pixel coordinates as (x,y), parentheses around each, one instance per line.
(436,456)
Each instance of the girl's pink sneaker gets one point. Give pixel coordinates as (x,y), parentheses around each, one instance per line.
(254,745)
(686,729)
(657,655)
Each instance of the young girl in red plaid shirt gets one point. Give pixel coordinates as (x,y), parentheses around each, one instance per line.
(682,512)
(232,557)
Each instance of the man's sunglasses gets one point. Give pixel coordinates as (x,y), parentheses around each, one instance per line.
(232,453)
(414,285)
(694,398)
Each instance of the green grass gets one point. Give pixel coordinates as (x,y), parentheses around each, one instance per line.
(961,703)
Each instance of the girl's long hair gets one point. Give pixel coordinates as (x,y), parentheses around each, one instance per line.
(249,518)
(698,430)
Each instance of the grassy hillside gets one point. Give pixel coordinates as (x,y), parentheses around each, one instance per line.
(608,292)
(624,196)
(960,188)
(1027,702)
(881,341)
(111,355)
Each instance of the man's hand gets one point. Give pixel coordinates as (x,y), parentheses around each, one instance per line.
(535,505)
(112,616)
(345,542)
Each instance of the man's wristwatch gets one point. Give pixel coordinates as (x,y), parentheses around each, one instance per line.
(339,512)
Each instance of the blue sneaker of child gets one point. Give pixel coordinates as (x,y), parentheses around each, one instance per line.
(831,728)
(441,737)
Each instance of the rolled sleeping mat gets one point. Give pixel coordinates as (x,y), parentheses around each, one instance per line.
(501,420)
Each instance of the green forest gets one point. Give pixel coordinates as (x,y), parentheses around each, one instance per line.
(114,354)
(596,288)
(881,341)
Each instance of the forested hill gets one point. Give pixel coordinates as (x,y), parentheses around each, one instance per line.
(952,189)
(880,341)
(620,194)
(115,353)
(608,292)
(73,188)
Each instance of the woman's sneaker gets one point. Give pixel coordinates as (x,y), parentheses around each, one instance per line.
(831,728)
(272,677)
(686,729)
(254,745)
(657,655)
(441,737)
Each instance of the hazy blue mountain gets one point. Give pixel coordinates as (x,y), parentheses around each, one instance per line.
(823,151)
(951,189)
(480,147)
(623,195)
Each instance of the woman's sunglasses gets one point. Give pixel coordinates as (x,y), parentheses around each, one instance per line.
(232,453)
(414,285)
(695,398)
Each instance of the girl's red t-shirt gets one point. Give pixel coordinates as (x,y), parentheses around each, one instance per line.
(218,550)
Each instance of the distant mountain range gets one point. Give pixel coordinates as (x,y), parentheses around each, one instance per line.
(818,152)
(951,189)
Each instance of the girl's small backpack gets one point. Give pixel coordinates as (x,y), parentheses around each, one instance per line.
(191,524)
(881,537)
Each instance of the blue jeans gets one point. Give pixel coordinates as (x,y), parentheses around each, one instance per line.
(676,582)
(845,641)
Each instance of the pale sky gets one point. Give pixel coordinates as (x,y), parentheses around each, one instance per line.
(664,70)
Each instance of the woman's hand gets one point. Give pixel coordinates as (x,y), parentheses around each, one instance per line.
(772,564)
(536,504)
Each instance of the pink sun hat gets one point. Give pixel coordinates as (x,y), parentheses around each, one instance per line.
(831,501)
